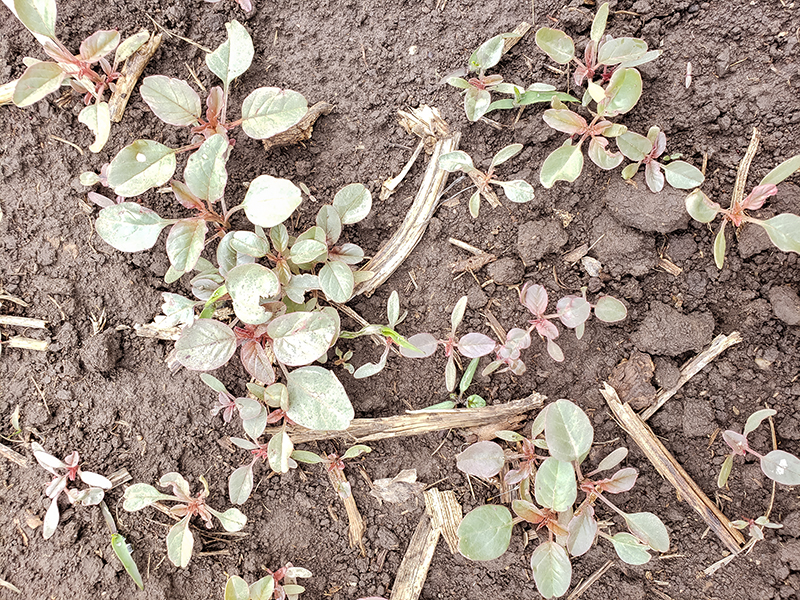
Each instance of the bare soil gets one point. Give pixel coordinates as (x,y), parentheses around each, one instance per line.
(112,398)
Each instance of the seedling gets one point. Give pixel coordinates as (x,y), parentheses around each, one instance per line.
(43,78)
(778,465)
(268,587)
(518,191)
(180,540)
(485,533)
(755,527)
(122,548)
(572,311)
(783,230)
(612,62)
(71,464)
(473,400)
(478,90)
(679,173)
(471,345)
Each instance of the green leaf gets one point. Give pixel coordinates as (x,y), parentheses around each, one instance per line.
(563,164)
(488,54)
(171,100)
(503,155)
(142,165)
(98,119)
(620,50)
(482,459)
(248,285)
(38,81)
(555,486)
(263,589)
(130,45)
(393,308)
(784,231)
(331,223)
(279,449)
(623,92)
(301,337)
(582,531)
(206,345)
(307,251)
(518,191)
(475,205)
(719,247)
(336,279)
(476,103)
(782,467)
(601,156)
(249,244)
(142,495)
(629,549)
(648,528)
(552,570)
(236,589)
(185,243)
(556,44)
(234,56)
(701,208)
(782,171)
(456,161)
(754,420)
(682,175)
(484,533)
(270,201)
(725,471)
(180,543)
(97,45)
(39,16)
(568,431)
(599,22)
(317,400)
(268,111)
(120,548)
(231,520)
(240,485)
(304,456)
(630,170)
(610,310)
(129,227)
(634,146)
(564,120)
(205,172)
(353,203)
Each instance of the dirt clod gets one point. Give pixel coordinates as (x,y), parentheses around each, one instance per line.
(634,205)
(668,332)
(101,352)
(785,304)
(535,239)
(506,271)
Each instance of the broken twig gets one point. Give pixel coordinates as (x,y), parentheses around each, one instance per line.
(301,131)
(131,71)
(13,456)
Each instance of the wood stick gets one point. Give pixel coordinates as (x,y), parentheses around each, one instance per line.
(11,321)
(356,527)
(442,515)
(672,471)
(692,368)
(301,131)
(13,456)
(131,71)
(744,167)
(518,32)
(417,422)
(27,343)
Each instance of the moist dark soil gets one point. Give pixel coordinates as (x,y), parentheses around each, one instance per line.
(111,397)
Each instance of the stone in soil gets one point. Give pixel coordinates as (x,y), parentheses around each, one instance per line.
(667,332)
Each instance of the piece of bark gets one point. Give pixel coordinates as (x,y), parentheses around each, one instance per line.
(300,132)
(417,422)
(672,471)
(131,71)
(631,378)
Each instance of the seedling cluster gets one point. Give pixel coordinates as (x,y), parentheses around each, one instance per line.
(548,487)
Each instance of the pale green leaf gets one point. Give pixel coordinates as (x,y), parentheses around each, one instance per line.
(556,44)
(475,205)
(482,459)
(786,169)
(206,345)
(610,310)
(336,280)
(555,486)
(552,570)
(99,44)
(783,231)
(719,247)
(234,56)
(701,208)
(623,92)
(205,172)
(270,201)
(781,467)
(518,191)
(185,243)
(353,203)
(682,175)
(476,103)
(582,531)
(171,100)
(142,165)
(302,337)
(754,420)
(237,589)
(329,220)
(248,285)
(263,589)
(488,54)
(568,431)
(484,533)
(634,146)
(599,22)
(142,495)
(129,227)
(503,155)
(317,400)
(456,161)
(268,111)
(39,16)
(601,156)
(130,45)
(563,164)
(648,528)
(180,543)
(279,449)
(725,471)
(38,81)
(629,549)
(98,119)
(621,50)
(240,485)
(231,520)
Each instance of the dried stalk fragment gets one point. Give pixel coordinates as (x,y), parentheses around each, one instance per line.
(672,471)
(356,527)
(302,131)
(131,71)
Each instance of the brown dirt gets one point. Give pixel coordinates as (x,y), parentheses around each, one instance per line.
(113,399)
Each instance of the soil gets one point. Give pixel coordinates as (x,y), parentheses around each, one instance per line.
(112,398)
